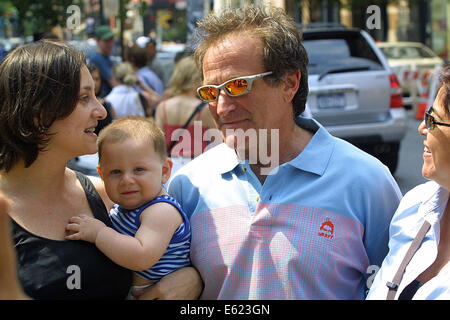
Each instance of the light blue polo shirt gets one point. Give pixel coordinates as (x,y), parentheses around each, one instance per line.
(309,232)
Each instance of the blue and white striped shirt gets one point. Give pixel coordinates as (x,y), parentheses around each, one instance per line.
(177,254)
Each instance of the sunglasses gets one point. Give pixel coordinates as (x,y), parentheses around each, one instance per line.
(234,88)
(430,122)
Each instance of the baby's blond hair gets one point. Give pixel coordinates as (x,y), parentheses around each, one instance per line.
(134,127)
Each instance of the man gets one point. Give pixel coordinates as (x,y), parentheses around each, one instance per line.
(138,58)
(163,71)
(102,58)
(308,223)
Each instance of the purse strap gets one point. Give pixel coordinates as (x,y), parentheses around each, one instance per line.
(197,110)
(394,284)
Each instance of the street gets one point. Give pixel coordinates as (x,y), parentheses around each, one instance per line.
(409,171)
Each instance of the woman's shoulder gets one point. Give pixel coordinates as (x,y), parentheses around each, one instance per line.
(420,192)
(94,186)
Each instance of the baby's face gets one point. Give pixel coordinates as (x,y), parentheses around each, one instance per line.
(132,172)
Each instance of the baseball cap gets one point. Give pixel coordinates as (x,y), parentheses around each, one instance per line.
(142,41)
(104,32)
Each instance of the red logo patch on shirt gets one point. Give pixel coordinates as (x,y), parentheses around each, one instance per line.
(327,229)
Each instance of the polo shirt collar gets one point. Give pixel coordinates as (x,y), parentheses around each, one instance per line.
(226,158)
(315,157)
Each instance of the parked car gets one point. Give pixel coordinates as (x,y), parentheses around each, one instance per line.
(407,58)
(353,92)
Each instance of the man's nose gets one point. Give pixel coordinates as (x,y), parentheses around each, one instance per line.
(225,104)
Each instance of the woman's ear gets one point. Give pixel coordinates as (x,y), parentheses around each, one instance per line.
(291,85)
(166,170)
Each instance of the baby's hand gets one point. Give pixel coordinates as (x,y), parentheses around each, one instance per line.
(84,227)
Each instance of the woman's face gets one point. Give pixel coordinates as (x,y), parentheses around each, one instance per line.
(74,135)
(436,155)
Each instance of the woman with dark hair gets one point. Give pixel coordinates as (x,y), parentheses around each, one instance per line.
(48,115)
(110,114)
(418,263)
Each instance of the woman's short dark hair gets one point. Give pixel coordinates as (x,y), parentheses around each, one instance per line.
(39,83)
(283,50)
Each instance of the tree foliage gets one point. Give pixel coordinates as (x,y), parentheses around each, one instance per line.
(42,15)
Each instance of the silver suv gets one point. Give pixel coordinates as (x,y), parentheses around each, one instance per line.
(353,92)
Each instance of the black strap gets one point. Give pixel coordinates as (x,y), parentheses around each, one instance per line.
(394,284)
(197,110)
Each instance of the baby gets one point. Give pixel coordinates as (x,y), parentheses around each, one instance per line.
(151,232)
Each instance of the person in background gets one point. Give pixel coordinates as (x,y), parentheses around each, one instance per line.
(282,209)
(172,114)
(102,58)
(138,58)
(163,71)
(110,114)
(151,234)
(423,218)
(124,98)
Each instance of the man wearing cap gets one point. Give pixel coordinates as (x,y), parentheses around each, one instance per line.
(102,58)
(162,71)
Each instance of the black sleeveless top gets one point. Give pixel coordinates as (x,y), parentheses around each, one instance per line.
(63,269)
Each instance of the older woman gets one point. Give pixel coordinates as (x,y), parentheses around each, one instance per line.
(417,265)
(48,113)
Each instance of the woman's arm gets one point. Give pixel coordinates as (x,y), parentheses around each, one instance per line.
(10,287)
(183,284)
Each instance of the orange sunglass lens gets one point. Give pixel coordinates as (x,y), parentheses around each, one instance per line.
(209,93)
(236,87)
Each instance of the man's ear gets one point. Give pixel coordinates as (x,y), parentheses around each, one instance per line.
(166,170)
(99,171)
(291,85)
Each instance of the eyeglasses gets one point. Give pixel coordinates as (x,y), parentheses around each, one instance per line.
(430,122)
(234,88)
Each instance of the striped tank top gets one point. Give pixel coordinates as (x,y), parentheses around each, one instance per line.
(177,254)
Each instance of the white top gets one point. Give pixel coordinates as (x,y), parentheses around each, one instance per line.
(425,202)
(125,101)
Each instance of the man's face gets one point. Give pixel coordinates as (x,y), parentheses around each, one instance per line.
(261,108)
(150,50)
(106,46)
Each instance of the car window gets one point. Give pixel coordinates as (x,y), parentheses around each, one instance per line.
(405,52)
(340,53)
